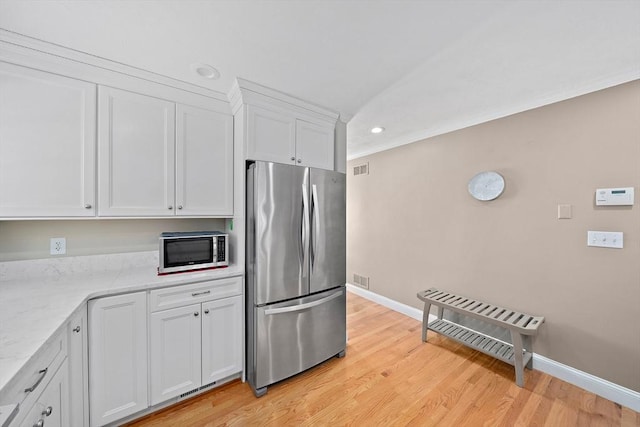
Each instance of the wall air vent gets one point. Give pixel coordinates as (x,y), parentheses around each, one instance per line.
(361,281)
(361,169)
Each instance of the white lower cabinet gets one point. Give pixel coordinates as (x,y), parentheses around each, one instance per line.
(78,370)
(148,347)
(51,408)
(193,346)
(175,352)
(117,357)
(222,332)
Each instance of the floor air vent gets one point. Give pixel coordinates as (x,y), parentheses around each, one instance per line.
(195,390)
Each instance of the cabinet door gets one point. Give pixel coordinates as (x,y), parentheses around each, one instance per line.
(117,357)
(174,352)
(78,371)
(271,136)
(47,144)
(222,337)
(314,144)
(51,409)
(204,162)
(136,154)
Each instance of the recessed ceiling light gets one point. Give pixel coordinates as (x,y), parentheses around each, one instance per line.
(206,71)
(377,129)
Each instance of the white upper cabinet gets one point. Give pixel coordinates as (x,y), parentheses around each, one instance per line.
(314,144)
(204,162)
(47,144)
(273,126)
(136,142)
(271,135)
(159,158)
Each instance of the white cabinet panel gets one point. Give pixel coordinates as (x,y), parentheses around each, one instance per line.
(117,357)
(47,144)
(278,136)
(51,409)
(136,143)
(270,135)
(196,343)
(221,338)
(204,162)
(174,352)
(78,370)
(314,144)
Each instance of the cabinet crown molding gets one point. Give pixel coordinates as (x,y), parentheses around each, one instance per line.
(247,92)
(21,49)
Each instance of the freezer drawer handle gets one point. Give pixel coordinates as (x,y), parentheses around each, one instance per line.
(302,306)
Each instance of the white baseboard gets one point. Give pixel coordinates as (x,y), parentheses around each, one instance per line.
(584,380)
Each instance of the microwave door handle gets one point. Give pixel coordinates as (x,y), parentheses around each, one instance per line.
(300,307)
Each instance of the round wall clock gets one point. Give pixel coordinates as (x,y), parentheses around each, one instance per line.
(486,185)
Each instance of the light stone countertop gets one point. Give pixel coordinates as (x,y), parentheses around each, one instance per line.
(38,297)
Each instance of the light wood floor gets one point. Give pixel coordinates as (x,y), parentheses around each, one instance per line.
(391,378)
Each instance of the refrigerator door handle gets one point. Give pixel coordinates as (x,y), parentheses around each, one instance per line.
(315,224)
(300,307)
(304,235)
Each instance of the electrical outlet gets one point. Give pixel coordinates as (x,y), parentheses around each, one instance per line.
(58,246)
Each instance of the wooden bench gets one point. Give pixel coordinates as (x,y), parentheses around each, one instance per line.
(521,326)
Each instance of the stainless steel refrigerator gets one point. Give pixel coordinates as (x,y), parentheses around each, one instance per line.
(296,270)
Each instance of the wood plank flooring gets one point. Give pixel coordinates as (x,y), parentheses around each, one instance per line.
(389,377)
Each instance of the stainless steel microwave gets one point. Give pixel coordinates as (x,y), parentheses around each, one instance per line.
(193,250)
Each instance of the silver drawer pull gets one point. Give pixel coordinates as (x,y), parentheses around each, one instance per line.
(48,410)
(195,294)
(42,373)
(40,423)
(76,329)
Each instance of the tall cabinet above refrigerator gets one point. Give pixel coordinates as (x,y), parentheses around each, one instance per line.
(296,270)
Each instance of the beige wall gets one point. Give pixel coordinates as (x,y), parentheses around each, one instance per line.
(411,224)
(30,239)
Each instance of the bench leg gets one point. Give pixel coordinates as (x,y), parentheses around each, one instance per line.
(425,320)
(526,341)
(516,339)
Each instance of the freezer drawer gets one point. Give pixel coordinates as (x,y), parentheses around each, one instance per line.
(295,335)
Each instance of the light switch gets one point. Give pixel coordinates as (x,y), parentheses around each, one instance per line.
(564,212)
(605,239)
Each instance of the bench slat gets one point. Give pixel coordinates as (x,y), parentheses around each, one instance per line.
(513,320)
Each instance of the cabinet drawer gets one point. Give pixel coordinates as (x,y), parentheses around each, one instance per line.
(51,407)
(178,296)
(27,385)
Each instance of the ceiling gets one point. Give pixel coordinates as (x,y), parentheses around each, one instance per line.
(416,68)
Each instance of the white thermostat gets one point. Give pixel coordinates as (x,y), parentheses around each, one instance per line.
(614,196)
